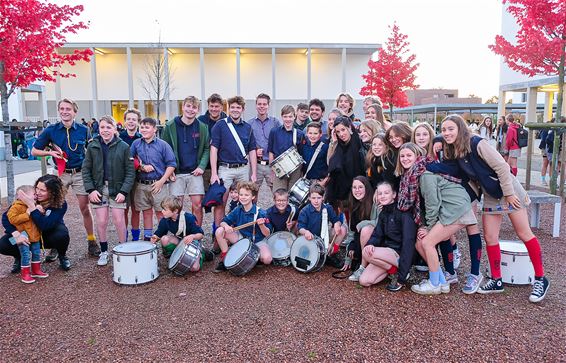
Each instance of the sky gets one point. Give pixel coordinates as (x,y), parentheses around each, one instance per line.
(449,37)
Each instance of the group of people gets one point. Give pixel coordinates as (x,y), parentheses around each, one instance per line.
(401,190)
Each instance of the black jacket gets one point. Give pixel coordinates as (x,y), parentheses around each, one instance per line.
(396,230)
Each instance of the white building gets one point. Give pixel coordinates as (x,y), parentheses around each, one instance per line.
(290,73)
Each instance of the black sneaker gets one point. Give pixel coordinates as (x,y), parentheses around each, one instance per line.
(491,287)
(208,255)
(220,267)
(93,249)
(334,261)
(16,267)
(52,256)
(394,286)
(64,263)
(540,287)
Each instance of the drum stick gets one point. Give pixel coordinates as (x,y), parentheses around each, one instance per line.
(331,244)
(249,224)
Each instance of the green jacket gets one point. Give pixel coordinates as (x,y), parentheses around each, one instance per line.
(445,201)
(169,135)
(122,173)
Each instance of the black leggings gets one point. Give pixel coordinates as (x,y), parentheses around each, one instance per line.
(57,238)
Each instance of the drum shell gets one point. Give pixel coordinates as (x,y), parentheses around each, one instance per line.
(135,268)
(246,262)
(299,192)
(516,266)
(286,163)
(318,257)
(191,253)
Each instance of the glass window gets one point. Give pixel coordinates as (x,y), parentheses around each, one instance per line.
(119,108)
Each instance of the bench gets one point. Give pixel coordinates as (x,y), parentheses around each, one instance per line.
(538,198)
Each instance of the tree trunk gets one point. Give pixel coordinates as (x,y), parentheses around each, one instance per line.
(390,112)
(7,137)
(557,132)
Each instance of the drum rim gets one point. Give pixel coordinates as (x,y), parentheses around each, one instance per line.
(280,233)
(314,268)
(137,253)
(241,257)
(183,254)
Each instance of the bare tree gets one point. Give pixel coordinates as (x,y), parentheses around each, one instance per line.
(157,78)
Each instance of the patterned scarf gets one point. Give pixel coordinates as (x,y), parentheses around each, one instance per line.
(409,190)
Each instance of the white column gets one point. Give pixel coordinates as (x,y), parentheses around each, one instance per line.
(202,86)
(344,60)
(238,85)
(530,116)
(309,75)
(94,84)
(57,88)
(130,78)
(548,104)
(501,104)
(273,80)
(167,86)
(43,113)
(21,105)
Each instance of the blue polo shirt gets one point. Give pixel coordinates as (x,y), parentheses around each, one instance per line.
(129,139)
(167,225)
(188,139)
(280,140)
(156,153)
(73,142)
(319,169)
(279,220)
(223,140)
(311,219)
(239,216)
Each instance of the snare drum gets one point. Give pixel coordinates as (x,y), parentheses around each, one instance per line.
(299,192)
(516,266)
(241,257)
(280,246)
(308,256)
(134,263)
(184,257)
(287,162)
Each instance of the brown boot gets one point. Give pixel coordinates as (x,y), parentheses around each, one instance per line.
(26,275)
(36,270)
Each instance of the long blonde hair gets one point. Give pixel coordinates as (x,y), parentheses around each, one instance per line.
(416,149)
(461,146)
(425,125)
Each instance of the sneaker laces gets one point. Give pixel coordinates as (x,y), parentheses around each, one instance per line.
(489,285)
(538,288)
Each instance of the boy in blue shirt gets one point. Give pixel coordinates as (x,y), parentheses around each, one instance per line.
(246,212)
(318,172)
(281,139)
(183,228)
(279,213)
(310,223)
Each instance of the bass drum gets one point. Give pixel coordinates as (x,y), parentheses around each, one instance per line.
(308,256)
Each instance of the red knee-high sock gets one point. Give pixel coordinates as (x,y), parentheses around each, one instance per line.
(494,257)
(533,246)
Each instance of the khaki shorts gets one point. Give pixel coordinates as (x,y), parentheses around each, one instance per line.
(187,184)
(145,200)
(500,206)
(107,201)
(233,175)
(74,180)
(264,173)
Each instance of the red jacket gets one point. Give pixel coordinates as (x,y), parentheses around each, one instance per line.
(511,141)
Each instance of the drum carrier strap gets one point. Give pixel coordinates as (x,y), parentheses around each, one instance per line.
(311,163)
(294,136)
(236,138)
(255,219)
(182,230)
(324,227)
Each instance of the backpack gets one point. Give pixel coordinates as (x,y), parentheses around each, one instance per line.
(522,136)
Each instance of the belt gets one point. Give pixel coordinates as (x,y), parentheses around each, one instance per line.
(263,162)
(147,182)
(231,166)
(72,170)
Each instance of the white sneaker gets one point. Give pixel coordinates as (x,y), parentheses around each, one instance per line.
(457,258)
(103,259)
(426,288)
(355,277)
(451,279)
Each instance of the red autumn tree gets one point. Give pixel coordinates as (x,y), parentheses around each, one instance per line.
(392,73)
(30,33)
(539,46)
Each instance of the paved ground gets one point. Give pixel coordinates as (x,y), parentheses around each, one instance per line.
(273,314)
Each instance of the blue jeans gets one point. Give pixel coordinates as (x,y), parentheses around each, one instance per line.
(34,248)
